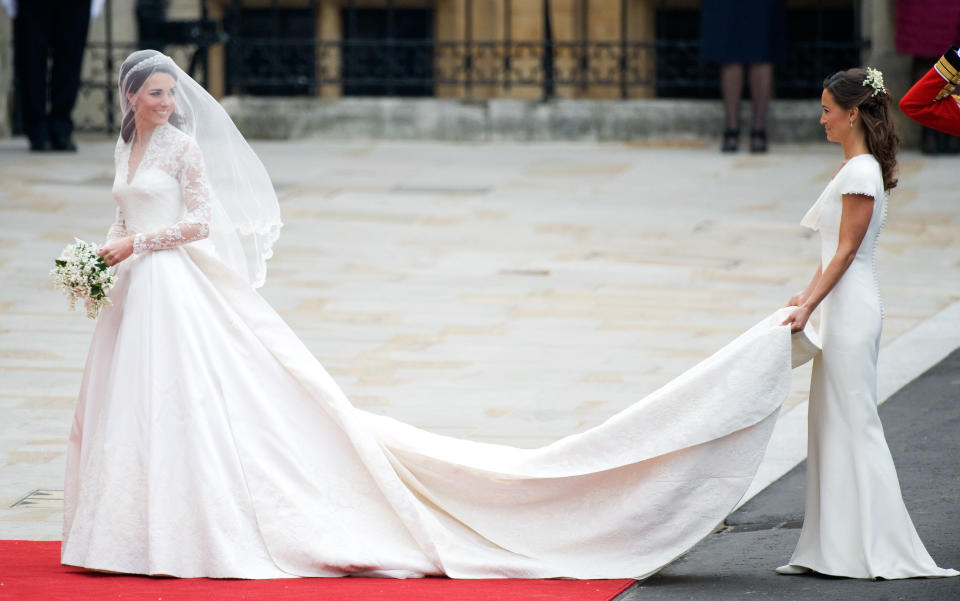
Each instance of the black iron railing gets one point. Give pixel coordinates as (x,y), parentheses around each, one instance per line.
(393,51)
(481,69)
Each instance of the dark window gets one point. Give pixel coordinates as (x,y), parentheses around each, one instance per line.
(387,52)
(272,53)
(679,72)
(822,41)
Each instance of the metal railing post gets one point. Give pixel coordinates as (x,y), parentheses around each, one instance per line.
(548,83)
(624,93)
(468,48)
(507,35)
(391,47)
(108,35)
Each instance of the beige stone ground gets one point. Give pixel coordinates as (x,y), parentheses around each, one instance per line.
(502,292)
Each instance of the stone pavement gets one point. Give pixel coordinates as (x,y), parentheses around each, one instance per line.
(507,293)
(920,422)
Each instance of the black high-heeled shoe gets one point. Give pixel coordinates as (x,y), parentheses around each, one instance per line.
(731,140)
(758,140)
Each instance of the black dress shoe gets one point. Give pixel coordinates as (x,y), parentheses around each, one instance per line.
(731,140)
(758,140)
(41,145)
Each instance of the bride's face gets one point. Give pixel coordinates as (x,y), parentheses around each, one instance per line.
(156,99)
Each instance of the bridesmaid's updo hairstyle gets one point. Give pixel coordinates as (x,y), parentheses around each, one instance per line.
(134,80)
(850,90)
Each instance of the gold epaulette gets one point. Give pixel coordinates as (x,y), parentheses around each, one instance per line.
(949,68)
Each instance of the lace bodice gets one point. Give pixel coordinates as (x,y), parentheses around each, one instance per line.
(166,202)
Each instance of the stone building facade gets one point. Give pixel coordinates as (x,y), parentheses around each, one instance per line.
(473,50)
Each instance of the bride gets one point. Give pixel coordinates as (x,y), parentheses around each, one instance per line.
(209,442)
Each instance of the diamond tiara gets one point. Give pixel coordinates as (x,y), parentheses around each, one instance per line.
(151,62)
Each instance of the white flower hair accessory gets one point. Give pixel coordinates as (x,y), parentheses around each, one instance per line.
(874,79)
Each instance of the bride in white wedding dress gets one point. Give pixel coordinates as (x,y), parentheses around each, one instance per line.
(208,441)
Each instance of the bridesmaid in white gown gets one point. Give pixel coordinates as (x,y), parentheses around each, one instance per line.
(208,441)
(855,523)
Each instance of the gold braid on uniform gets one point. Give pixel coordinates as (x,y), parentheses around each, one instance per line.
(949,68)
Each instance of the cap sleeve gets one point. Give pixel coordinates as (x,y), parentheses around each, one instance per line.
(861,177)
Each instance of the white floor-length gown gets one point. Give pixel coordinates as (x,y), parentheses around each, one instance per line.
(855,522)
(208,441)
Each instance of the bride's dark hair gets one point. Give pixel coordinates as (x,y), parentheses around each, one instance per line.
(133,83)
(849,91)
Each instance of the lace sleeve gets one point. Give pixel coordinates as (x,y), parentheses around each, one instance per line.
(195,191)
(119,227)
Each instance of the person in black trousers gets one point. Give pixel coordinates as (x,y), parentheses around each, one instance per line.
(49,30)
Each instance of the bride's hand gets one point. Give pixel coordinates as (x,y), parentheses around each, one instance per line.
(798,319)
(117,250)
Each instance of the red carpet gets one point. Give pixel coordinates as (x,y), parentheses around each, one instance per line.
(31,571)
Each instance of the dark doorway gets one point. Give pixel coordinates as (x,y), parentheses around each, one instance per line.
(387,52)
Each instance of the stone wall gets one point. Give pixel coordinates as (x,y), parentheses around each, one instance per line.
(878,23)
(506,119)
(582,114)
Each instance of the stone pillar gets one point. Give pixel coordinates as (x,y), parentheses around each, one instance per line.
(601,21)
(877,21)
(6,73)
(216,57)
(183,9)
(329,29)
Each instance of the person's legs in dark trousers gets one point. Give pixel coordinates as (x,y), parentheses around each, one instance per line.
(761,88)
(71,22)
(731,87)
(31,50)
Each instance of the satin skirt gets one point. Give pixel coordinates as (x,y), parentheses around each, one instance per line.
(855,522)
(208,441)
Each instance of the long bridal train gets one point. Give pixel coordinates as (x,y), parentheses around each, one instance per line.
(222,448)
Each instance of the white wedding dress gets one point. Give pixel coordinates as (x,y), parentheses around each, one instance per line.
(855,522)
(208,441)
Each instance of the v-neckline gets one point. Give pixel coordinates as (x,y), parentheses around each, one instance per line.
(132,175)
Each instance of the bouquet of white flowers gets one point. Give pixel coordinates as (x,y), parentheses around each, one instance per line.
(81,274)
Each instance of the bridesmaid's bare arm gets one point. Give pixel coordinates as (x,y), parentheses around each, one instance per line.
(854,221)
(798,299)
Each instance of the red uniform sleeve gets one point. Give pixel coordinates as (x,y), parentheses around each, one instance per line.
(929,101)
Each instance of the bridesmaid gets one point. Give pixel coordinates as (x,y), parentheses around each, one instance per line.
(855,524)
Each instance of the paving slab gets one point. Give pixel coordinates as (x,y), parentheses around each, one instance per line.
(502,292)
